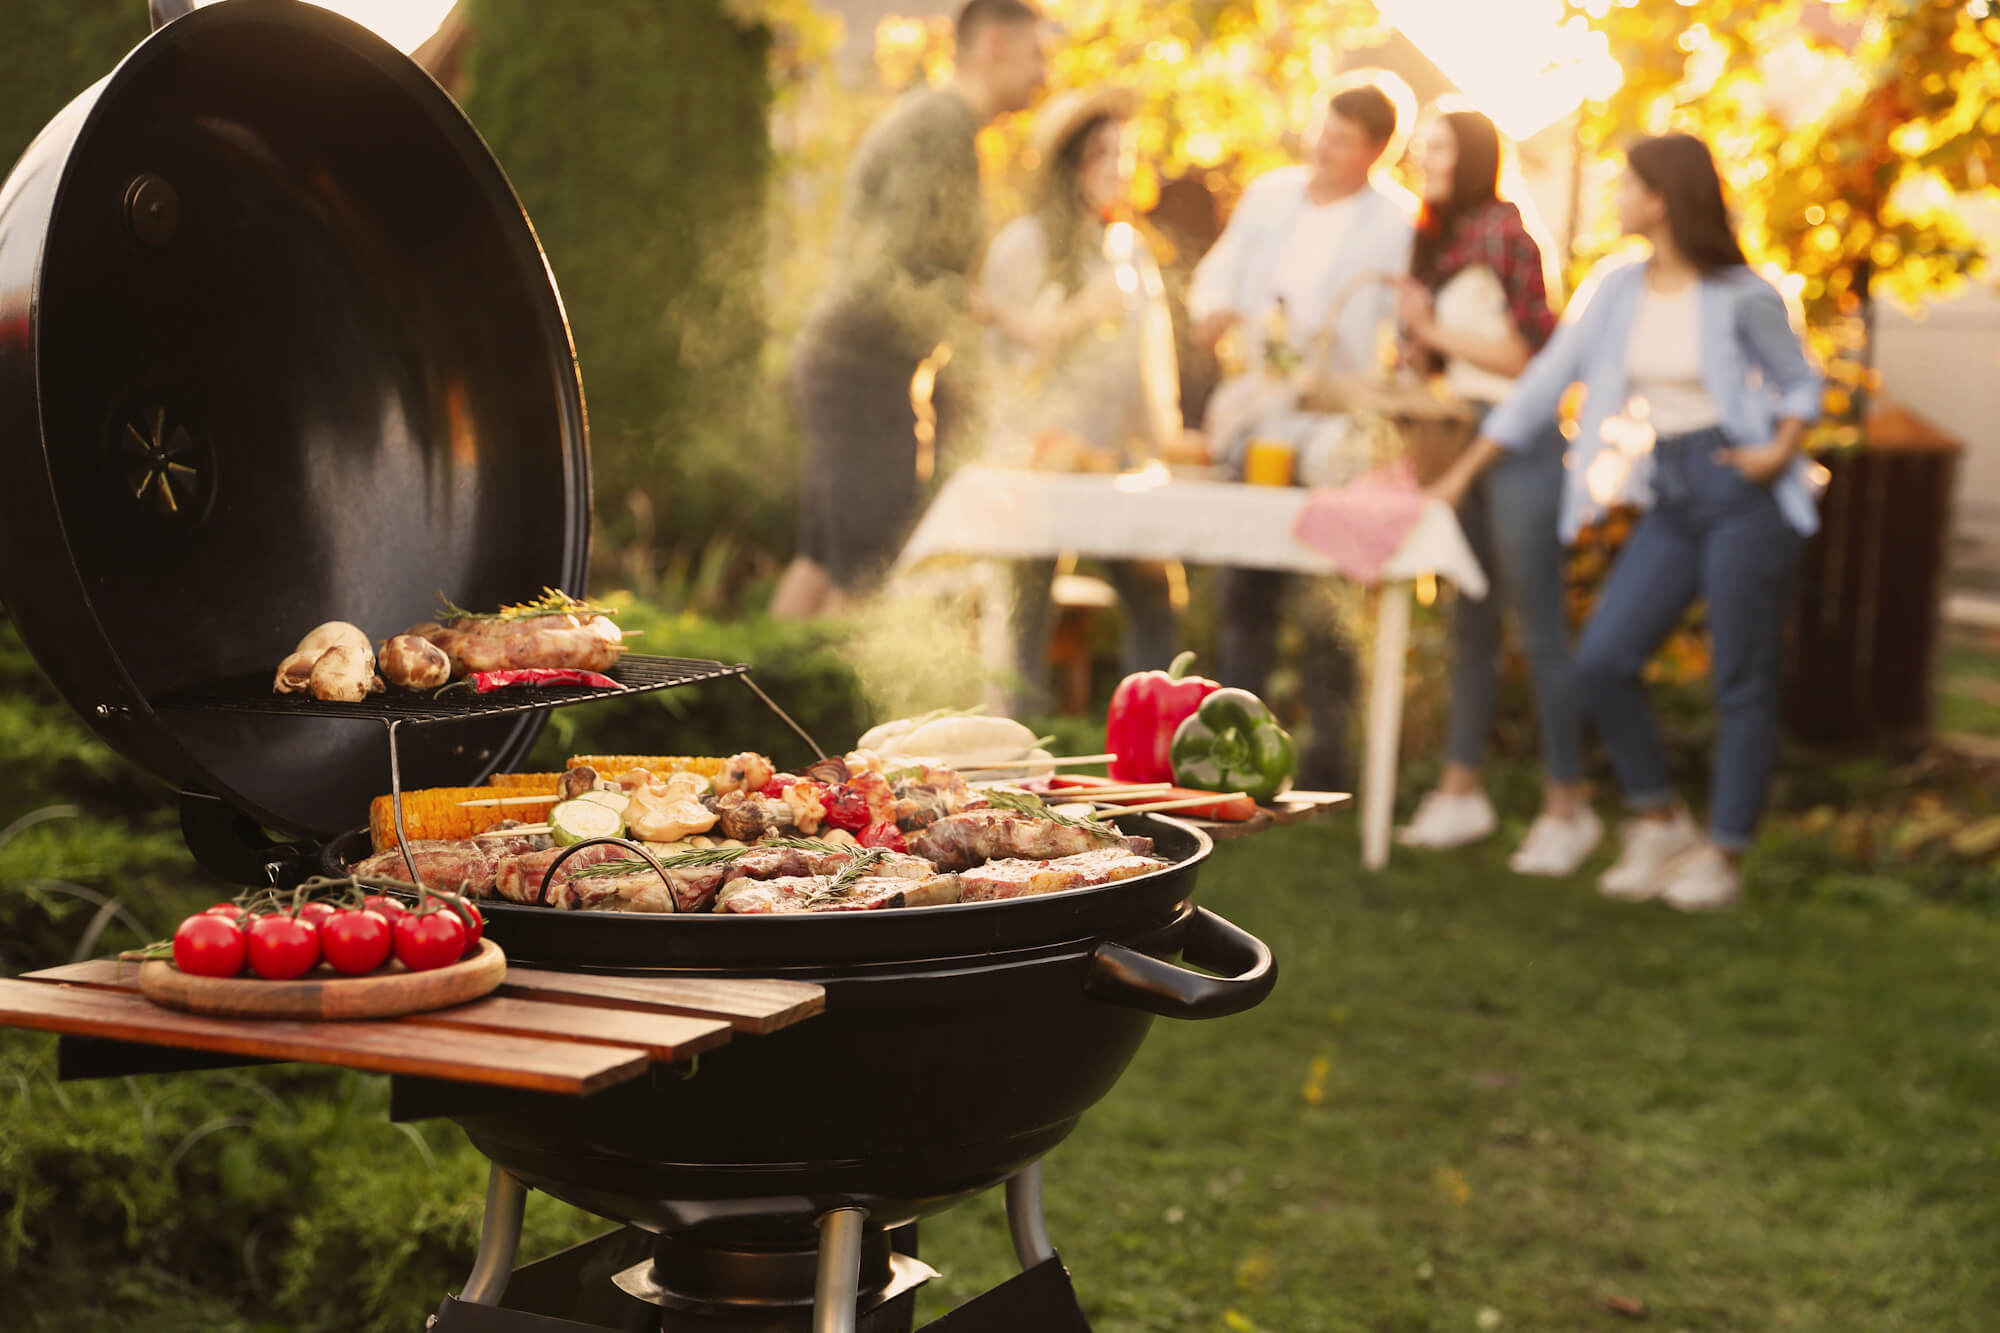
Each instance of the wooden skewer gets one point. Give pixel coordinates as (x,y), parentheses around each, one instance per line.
(1062,761)
(1183,802)
(1113,794)
(490,801)
(523,829)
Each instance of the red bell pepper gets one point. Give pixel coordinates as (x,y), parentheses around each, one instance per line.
(1145,709)
(485,682)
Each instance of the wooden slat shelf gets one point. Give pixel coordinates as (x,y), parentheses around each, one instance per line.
(541,1031)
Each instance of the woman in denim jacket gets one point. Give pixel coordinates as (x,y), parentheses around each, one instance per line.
(1697,394)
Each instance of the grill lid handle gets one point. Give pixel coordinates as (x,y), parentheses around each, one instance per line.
(1122,975)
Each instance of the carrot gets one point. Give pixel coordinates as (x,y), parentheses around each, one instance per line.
(1233,811)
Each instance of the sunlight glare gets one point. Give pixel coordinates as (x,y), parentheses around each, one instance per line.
(1519,61)
(404,24)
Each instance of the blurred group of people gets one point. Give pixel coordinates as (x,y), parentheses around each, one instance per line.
(1065,315)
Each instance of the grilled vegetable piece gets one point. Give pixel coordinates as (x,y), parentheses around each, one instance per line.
(296,671)
(1232,743)
(344,674)
(663,764)
(437,812)
(414,663)
(575,821)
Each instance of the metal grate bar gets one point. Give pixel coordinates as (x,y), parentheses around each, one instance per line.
(637,674)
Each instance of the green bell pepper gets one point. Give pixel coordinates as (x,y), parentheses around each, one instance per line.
(1232,743)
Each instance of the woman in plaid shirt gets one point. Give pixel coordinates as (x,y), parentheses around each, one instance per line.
(1475,306)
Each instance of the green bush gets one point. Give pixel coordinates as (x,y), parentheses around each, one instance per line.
(635,134)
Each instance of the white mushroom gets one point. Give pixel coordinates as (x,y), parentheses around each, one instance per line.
(335,634)
(294,672)
(414,663)
(656,814)
(343,675)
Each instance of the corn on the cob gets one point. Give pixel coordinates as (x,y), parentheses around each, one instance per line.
(611,765)
(526,783)
(435,812)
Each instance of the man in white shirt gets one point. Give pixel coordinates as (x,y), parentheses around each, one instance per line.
(1306,243)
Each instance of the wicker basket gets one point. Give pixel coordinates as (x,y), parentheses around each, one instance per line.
(1433,430)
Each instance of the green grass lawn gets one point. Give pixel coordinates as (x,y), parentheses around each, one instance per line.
(1477,1101)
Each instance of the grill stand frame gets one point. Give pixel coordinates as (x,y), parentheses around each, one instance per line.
(1039,1297)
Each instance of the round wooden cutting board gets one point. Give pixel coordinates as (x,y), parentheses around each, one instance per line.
(324,993)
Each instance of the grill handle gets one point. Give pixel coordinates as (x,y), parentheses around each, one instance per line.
(1122,975)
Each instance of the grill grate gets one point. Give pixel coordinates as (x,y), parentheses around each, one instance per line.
(638,674)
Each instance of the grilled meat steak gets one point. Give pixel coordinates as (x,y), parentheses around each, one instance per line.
(810,893)
(959,841)
(1021,878)
(457,867)
(585,643)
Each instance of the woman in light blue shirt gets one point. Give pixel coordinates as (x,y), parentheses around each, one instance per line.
(1697,394)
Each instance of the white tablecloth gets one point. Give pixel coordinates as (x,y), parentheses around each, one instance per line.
(1010,515)
(1004,514)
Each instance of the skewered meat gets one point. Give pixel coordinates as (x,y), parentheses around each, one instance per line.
(1021,878)
(808,812)
(580,642)
(974,836)
(746,772)
(747,816)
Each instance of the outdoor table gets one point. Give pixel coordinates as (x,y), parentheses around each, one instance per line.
(555,1032)
(1007,514)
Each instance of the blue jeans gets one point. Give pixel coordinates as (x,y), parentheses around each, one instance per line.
(1510,520)
(1144,600)
(1714,534)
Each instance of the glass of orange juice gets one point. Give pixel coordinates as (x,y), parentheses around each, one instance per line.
(1269,462)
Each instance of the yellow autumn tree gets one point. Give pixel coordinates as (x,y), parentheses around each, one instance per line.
(1851,134)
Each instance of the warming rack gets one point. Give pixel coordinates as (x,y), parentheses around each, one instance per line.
(635,673)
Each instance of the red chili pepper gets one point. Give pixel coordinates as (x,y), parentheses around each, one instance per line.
(488,681)
(1145,709)
(882,835)
(847,808)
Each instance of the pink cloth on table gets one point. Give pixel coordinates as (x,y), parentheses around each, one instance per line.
(1359,526)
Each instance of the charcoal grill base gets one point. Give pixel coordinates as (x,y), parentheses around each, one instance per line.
(611,1285)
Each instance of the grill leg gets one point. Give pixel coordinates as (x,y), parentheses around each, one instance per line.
(1024,1217)
(499,1239)
(837,1285)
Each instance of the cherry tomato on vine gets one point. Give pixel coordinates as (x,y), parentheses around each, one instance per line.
(472,919)
(426,940)
(282,947)
(229,910)
(390,908)
(355,940)
(207,945)
(316,912)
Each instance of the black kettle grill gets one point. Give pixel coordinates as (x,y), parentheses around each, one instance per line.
(278,345)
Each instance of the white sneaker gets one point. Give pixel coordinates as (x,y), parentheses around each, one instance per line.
(1443,821)
(1651,845)
(1556,846)
(1703,881)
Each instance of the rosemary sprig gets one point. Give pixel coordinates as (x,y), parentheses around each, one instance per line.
(701,856)
(841,883)
(552,602)
(1033,806)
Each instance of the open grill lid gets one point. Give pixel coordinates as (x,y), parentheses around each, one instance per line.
(277,346)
